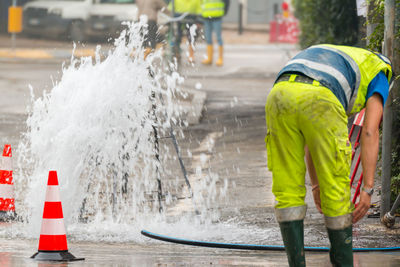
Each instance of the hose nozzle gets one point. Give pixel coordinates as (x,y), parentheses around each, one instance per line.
(388,220)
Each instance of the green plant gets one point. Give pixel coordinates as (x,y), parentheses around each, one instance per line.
(322,21)
(376,19)
(395,189)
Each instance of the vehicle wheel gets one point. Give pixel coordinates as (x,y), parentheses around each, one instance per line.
(76,32)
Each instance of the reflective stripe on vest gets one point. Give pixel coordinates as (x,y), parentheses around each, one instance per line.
(370,64)
(212,8)
(344,70)
(355,68)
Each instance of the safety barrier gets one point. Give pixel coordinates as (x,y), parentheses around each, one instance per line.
(358,121)
(7,201)
(284,31)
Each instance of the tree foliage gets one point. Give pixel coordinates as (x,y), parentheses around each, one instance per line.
(321,21)
(376,19)
(375,41)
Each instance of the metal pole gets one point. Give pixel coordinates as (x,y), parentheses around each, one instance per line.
(370,14)
(395,206)
(156,150)
(181,162)
(276,10)
(240,26)
(386,156)
(174,27)
(13,40)
(388,50)
(13,35)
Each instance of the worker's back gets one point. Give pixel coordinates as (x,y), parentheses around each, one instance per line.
(346,71)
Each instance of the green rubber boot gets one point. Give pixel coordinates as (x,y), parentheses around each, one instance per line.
(293,238)
(341,252)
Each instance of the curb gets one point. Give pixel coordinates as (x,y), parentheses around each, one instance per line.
(197,105)
(43,54)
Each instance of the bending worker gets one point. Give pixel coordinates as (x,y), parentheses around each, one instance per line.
(306,114)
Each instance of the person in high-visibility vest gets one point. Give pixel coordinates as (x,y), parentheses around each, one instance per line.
(212,13)
(193,9)
(306,114)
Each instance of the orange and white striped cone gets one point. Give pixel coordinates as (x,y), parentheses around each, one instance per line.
(7,201)
(5,259)
(53,238)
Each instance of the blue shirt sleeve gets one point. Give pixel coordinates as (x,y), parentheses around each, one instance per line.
(379,85)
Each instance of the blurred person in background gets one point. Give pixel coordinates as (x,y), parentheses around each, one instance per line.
(212,12)
(193,9)
(150,8)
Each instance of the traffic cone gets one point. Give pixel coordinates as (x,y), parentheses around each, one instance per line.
(5,259)
(53,238)
(7,202)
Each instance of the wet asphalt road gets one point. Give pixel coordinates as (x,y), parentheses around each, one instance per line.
(234,113)
(17,253)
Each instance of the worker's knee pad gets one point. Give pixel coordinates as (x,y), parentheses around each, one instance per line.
(290,214)
(338,222)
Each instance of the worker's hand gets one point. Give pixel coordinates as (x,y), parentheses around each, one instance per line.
(317,199)
(362,207)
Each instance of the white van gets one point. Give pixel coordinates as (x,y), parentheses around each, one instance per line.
(105,18)
(57,18)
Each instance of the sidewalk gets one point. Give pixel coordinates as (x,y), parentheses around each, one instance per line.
(31,49)
(247,55)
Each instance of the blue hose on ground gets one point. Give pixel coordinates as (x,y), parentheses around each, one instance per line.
(248,246)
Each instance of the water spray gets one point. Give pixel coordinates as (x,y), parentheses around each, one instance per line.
(99,127)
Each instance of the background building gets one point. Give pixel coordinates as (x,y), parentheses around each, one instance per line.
(255,14)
